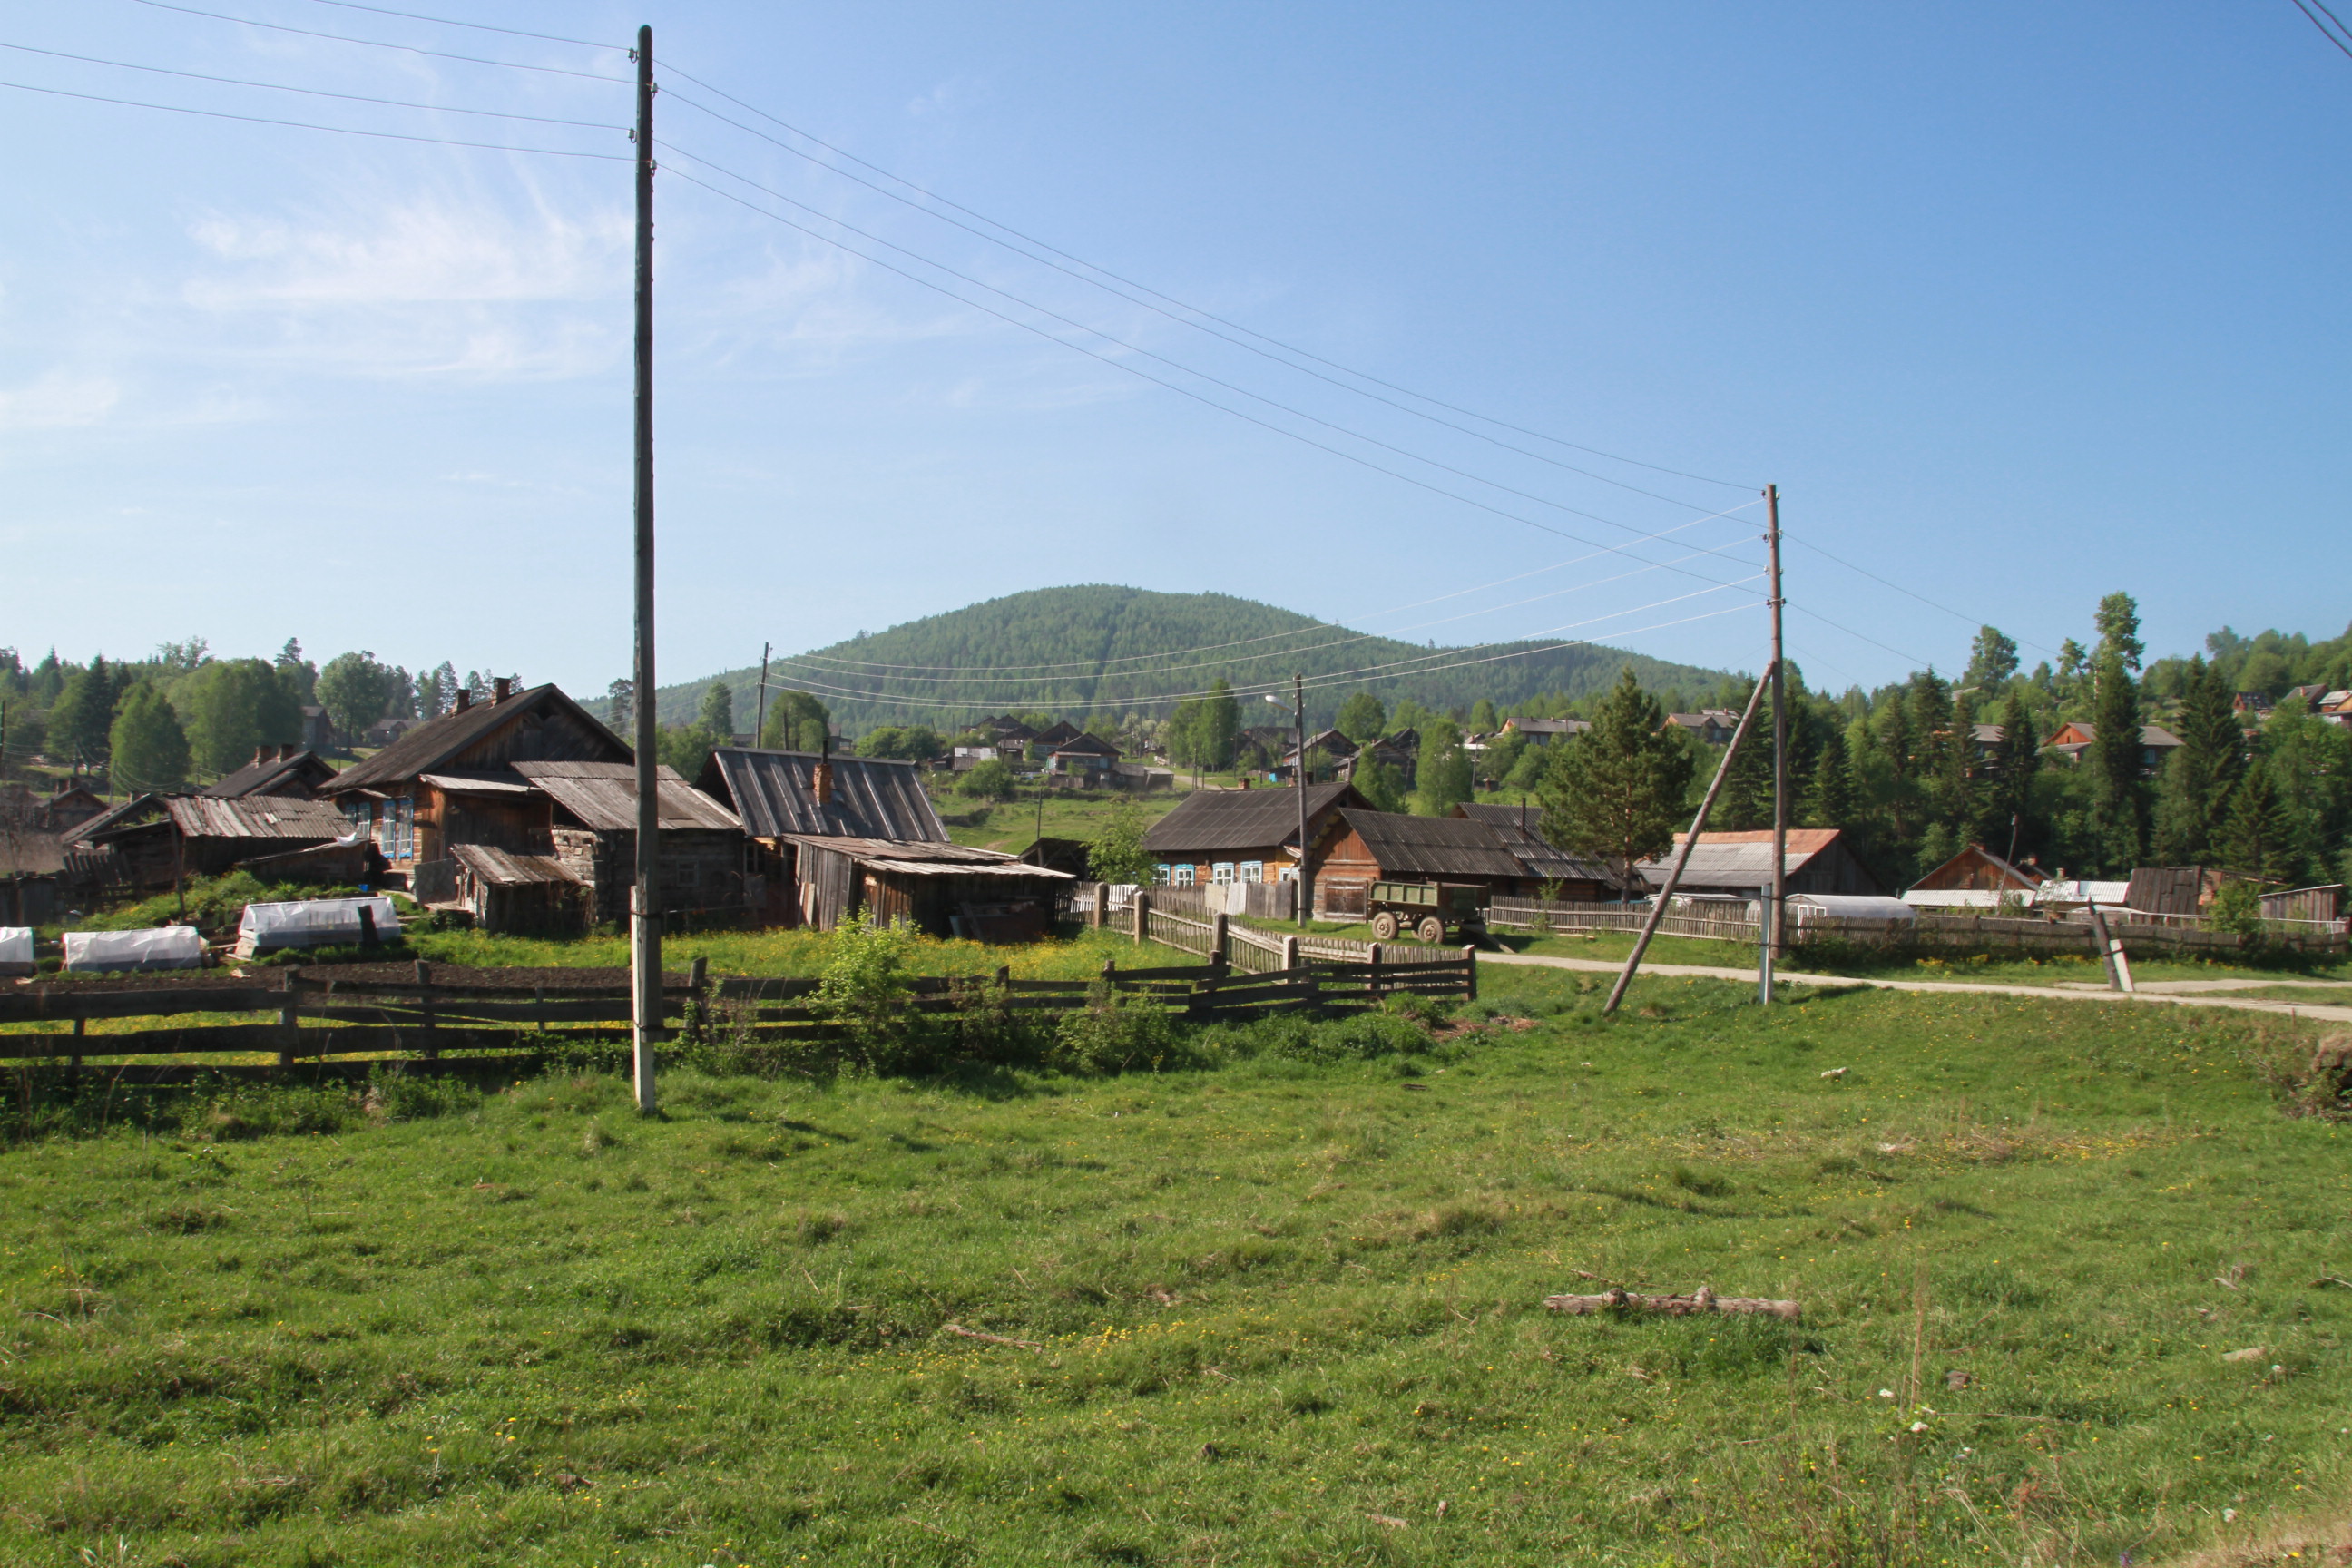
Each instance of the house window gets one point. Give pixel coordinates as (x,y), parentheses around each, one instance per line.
(1162,875)
(1222,874)
(1250,871)
(1180,876)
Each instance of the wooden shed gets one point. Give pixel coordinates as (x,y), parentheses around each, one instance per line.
(1520,830)
(290,771)
(533,895)
(947,890)
(783,797)
(1390,846)
(1739,865)
(593,835)
(194,836)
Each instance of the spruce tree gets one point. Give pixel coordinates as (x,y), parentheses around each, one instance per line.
(2258,837)
(2118,807)
(1615,794)
(2207,764)
(84,716)
(718,715)
(1831,798)
(2009,815)
(150,748)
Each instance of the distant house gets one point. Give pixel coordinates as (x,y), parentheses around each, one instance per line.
(278,839)
(1520,830)
(69,808)
(385,732)
(1086,758)
(1070,855)
(1739,865)
(1399,753)
(2075,737)
(964,757)
(1243,835)
(1139,777)
(290,771)
(318,730)
(2335,706)
(1060,733)
(1975,879)
(1388,845)
(1336,751)
(1714,726)
(1544,731)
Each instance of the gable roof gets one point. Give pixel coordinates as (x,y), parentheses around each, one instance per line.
(1965,870)
(1433,846)
(1085,746)
(1062,729)
(604,797)
(138,808)
(256,816)
(1520,829)
(432,746)
(1740,859)
(774,793)
(930,860)
(1211,820)
(306,768)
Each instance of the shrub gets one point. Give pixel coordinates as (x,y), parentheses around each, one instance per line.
(1116,1032)
(864,991)
(990,780)
(2237,909)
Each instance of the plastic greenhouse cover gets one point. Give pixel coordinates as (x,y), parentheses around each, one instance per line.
(166,947)
(15,949)
(315,922)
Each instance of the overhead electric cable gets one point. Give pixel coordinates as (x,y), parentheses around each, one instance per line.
(312,91)
(380,43)
(1863,636)
(1173,365)
(1206,314)
(1841,560)
(1160,310)
(1183,391)
(307,125)
(478,26)
(2299,6)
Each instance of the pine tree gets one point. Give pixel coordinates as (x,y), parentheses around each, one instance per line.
(1831,798)
(2118,808)
(150,748)
(718,715)
(2258,837)
(83,717)
(2203,769)
(620,706)
(1615,794)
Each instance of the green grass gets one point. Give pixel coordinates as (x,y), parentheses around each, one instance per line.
(1068,813)
(1273,1305)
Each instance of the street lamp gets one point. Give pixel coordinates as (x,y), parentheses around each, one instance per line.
(1303,894)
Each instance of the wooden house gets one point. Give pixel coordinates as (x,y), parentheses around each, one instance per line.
(1520,830)
(1217,837)
(593,839)
(1545,731)
(70,807)
(1739,865)
(780,797)
(947,890)
(290,771)
(1976,877)
(1086,758)
(452,780)
(195,836)
(1388,845)
(2074,738)
(1714,726)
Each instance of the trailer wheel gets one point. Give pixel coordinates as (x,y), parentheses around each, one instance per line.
(1384,926)
(1431,930)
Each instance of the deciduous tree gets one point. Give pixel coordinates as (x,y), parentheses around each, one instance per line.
(150,748)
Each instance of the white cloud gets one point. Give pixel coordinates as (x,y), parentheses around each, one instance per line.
(421,252)
(60,398)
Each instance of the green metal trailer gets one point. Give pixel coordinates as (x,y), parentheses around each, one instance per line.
(1427,910)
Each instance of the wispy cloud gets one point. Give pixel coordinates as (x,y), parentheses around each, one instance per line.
(59,399)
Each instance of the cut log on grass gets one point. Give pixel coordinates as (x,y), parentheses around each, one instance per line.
(1705,1300)
(992,1339)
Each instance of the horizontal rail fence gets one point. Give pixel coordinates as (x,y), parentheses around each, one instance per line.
(1529,914)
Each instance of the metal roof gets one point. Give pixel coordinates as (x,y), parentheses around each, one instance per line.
(256,816)
(1737,859)
(928,859)
(257,778)
(501,783)
(138,808)
(501,869)
(1433,846)
(1521,828)
(604,797)
(1211,820)
(774,793)
(430,745)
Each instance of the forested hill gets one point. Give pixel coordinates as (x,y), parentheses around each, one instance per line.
(1078,628)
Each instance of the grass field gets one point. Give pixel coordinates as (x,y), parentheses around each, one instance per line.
(1068,813)
(1284,1309)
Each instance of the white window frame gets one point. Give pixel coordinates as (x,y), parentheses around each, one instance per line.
(1250,871)
(1221,874)
(1181,875)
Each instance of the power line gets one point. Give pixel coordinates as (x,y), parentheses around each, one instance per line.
(380,43)
(1841,560)
(478,26)
(1162,311)
(312,91)
(1173,365)
(1914,658)
(1182,391)
(2324,33)
(308,125)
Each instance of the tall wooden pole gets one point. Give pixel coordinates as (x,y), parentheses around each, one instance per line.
(1306,890)
(760,723)
(1776,911)
(645,920)
(1682,855)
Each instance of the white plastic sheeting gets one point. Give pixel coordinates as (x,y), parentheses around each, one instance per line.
(313,923)
(15,949)
(166,947)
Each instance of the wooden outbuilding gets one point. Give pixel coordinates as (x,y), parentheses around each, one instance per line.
(781,797)
(947,890)
(195,836)
(1390,846)
(593,835)
(1976,877)
(527,895)
(1739,865)
(1218,837)
(1519,828)
(294,772)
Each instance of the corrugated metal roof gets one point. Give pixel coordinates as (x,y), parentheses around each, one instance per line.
(1242,819)
(604,797)
(1521,828)
(1433,846)
(502,870)
(1739,859)
(256,816)
(430,745)
(774,793)
(928,859)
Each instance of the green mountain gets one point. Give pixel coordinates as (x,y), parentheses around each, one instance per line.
(1093,648)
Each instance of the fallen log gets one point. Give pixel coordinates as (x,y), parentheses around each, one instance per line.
(1705,1300)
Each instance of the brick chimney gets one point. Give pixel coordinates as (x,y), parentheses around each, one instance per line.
(822,786)
(262,755)
(501,689)
(465,700)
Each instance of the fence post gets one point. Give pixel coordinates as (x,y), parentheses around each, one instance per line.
(287,1025)
(1095,914)
(1290,953)
(1372,982)
(698,980)
(1470,971)
(2111,950)
(425,1006)
(1218,927)
(1143,916)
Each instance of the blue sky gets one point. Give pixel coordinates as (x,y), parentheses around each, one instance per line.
(2018,304)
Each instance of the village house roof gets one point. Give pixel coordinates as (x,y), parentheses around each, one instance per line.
(1531,728)
(928,859)
(1209,821)
(1056,734)
(504,868)
(604,797)
(1739,859)
(1330,742)
(1406,845)
(258,817)
(138,808)
(2081,732)
(433,746)
(275,770)
(1085,746)
(1976,868)
(774,793)
(1707,722)
(1520,830)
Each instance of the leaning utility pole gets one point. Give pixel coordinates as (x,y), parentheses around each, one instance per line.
(760,724)
(1768,948)
(1306,890)
(645,920)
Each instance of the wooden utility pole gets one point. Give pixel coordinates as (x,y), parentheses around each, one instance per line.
(1768,949)
(760,723)
(1682,855)
(645,919)
(1306,890)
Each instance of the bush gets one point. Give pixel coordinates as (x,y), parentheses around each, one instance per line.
(1118,1032)
(2237,909)
(991,780)
(864,991)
